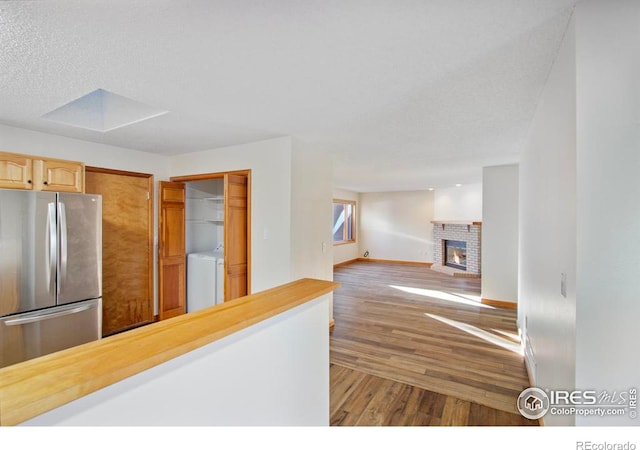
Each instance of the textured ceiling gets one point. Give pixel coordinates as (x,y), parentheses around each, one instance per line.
(404,94)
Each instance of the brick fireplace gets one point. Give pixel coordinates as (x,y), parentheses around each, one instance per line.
(462,239)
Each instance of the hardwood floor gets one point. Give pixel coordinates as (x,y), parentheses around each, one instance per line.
(361,399)
(415,347)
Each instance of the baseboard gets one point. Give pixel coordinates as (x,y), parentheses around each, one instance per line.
(499,303)
(467,275)
(457,273)
(532,384)
(345,263)
(395,261)
(527,366)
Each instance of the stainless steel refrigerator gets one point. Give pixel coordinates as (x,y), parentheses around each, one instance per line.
(50,272)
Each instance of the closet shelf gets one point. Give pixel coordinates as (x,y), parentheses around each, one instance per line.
(210,199)
(205,220)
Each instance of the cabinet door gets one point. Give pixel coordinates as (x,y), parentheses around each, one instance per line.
(15,172)
(171,250)
(236,256)
(60,176)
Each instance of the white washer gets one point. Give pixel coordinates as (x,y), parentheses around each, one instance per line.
(219,277)
(201,280)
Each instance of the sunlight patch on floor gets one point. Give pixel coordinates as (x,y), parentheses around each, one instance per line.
(480,333)
(512,336)
(465,299)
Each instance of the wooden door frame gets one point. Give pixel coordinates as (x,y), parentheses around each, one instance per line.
(219,176)
(151,230)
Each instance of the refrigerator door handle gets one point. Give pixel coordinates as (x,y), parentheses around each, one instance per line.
(39,316)
(63,243)
(51,246)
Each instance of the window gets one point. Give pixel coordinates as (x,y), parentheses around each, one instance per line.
(344,222)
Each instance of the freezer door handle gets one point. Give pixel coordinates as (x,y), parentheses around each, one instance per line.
(51,245)
(43,315)
(62,219)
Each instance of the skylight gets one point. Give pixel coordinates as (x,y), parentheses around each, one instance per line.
(103,111)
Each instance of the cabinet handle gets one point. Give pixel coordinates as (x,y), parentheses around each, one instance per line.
(46,182)
(29,181)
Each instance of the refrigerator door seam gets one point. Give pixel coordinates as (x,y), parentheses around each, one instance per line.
(51,245)
(62,224)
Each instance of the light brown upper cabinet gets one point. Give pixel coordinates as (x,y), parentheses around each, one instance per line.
(59,176)
(16,171)
(41,174)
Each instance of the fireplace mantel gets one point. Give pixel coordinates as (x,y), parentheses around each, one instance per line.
(468,223)
(457,222)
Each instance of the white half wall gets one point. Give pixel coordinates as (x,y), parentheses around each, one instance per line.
(547,223)
(458,203)
(500,233)
(348,252)
(274,373)
(397,225)
(608,189)
(270,164)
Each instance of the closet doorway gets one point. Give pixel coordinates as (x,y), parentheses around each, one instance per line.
(205,216)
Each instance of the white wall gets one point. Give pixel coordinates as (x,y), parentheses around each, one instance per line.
(608,189)
(547,229)
(273,373)
(270,164)
(397,225)
(18,140)
(272,198)
(311,214)
(578,185)
(348,252)
(458,203)
(500,233)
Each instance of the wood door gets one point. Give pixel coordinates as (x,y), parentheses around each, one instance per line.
(15,171)
(59,176)
(236,188)
(171,251)
(127,247)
